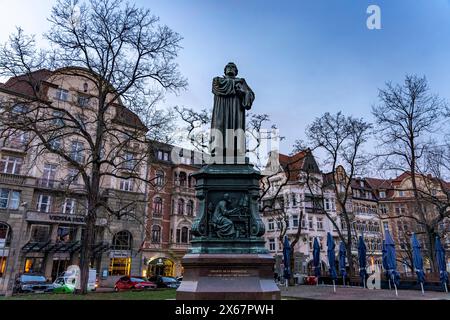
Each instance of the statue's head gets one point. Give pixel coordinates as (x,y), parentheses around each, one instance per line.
(231,70)
(226,197)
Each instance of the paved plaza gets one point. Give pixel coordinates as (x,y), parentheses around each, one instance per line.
(325,292)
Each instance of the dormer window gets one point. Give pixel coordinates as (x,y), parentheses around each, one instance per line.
(62,95)
(382,194)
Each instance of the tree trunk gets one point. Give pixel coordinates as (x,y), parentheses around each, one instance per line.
(431,235)
(85,255)
(351,271)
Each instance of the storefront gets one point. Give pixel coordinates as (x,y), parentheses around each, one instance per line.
(161,267)
(120,255)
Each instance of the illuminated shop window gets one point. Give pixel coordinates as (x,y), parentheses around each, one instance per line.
(120,266)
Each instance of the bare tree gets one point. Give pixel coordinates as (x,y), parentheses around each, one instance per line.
(198,125)
(341,140)
(407,117)
(127,58)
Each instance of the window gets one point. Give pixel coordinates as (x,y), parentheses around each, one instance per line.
(9,199)
(58,118)
(272,244)
(82,120)
(160,178)
(190,208)
(48,176)
(69,206)
(66,234)
(295,221)
(34,265)
(156,234)
(163,155)
(122,241)
(294,200)
(382,194)
(17,139)
(62,95)
(83,101)
(182,178)
(19,109)
(157,206)
(5,237)
(178,236)
(11,164)
(55,143)
(44,202)
(303,222)
(120,267)
(383,208)
(126,185)
(385,225)
(181,206)
(39,233)
(400,209)
(271,225)
(184,235)
(73,176)
(77,150)
(310,223)
(129,161)
(401,193)
(320,224)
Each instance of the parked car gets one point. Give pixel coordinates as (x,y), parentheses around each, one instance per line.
(134,283)
(32,283)
(165,282)
(179,279)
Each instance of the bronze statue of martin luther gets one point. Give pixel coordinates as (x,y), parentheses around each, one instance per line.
(232,98)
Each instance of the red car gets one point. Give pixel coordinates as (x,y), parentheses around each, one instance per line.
(133,283)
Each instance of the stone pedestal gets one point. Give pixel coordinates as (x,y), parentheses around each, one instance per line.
(228,277)
(235,264)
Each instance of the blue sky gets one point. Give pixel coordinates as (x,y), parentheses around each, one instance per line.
(302,58)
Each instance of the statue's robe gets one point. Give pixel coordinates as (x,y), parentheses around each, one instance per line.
(223,226)
(232,97)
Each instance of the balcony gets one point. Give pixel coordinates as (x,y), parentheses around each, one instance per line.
(59,185)
(9,178)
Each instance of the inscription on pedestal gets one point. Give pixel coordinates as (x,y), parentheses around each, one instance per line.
(228,273)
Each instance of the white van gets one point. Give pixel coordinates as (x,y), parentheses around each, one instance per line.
(66,282)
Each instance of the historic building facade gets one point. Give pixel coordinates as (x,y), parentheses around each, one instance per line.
(171,209)
(293,198)
(399,214)
(43,199)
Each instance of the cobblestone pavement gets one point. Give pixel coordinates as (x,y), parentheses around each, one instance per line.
(325,292)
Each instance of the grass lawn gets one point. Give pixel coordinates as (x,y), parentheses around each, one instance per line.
(161,294)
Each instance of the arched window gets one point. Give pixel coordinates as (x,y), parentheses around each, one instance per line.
(190,181)
(156,234)
(190,208)
(5,235)
(183,179)
(5,240)
(160,179)
(157,206)
(181,206)
(184,235)
(122,241)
